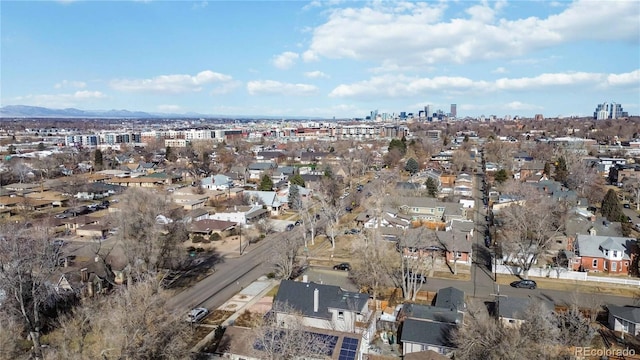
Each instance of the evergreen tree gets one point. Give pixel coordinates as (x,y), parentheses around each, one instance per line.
(328,172)
(294,197)
(297,180)
(611,208)
(547,169)
(432,187)
(501,176)
(412,166)
(398,144)
(561,170)
(168,154)
(266,184)
(97,159)
(41,147)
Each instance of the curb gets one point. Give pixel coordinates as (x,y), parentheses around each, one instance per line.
(229,321)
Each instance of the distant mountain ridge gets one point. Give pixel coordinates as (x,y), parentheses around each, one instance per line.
(36,111)
(25,111)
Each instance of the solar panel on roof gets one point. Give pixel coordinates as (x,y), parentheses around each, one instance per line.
(349,349)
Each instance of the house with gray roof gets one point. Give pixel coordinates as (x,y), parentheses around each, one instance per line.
(217,182)
(270,199)
(324,307)
(257,170)
(451,298)
(625,319)
(511,311)
(425,327)
(611,254)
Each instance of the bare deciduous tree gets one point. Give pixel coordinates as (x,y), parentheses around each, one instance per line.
(146,230)
(132,323)
(284,253)
(26,261)
(416,250)
(531,223)
(374,263)
(273,340)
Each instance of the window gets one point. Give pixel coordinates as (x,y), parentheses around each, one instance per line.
(615,253)
(340,315)
(606,253)
(614,266)
(458,254)
(595,263)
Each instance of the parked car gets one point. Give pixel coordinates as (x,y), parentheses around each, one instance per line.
(290,227)
(298,223)
(197,314)
(626,206)
(343,267)
(352,232)
(359,188)
(349,209)
(487,241)
(527,284)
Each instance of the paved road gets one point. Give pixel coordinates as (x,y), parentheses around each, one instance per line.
(230,276)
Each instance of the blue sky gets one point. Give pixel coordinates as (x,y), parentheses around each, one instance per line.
(322,58)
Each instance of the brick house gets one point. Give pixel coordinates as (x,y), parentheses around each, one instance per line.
(609,254)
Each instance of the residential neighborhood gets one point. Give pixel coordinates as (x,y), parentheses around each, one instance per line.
(368,258)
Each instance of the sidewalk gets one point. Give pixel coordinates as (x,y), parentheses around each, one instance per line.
(243,300)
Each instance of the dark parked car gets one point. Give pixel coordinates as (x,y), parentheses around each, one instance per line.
(352,232)
(290,227)
(359,188)
(487,241)
(349,209)
(343,267)
(298,223)
(627,206)
(527,284)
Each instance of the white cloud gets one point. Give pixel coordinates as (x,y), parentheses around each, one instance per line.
(58,100)
(391,30)
(170,84)
(630,78)
(309,56)
(517,105)
(169,108)
(285,60)
(549,80)
(64,84)
(499,70)
(400,85)
(200,5)
(226,88)
(316,74)
(271,87)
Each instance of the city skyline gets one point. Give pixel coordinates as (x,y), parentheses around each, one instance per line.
(313,58)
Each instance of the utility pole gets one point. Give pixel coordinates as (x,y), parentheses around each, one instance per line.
(498,296)
(240,237)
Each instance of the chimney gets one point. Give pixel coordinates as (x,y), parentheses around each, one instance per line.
(96,259)
(66,261)
(84,275)
(316,300)
(305,278)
